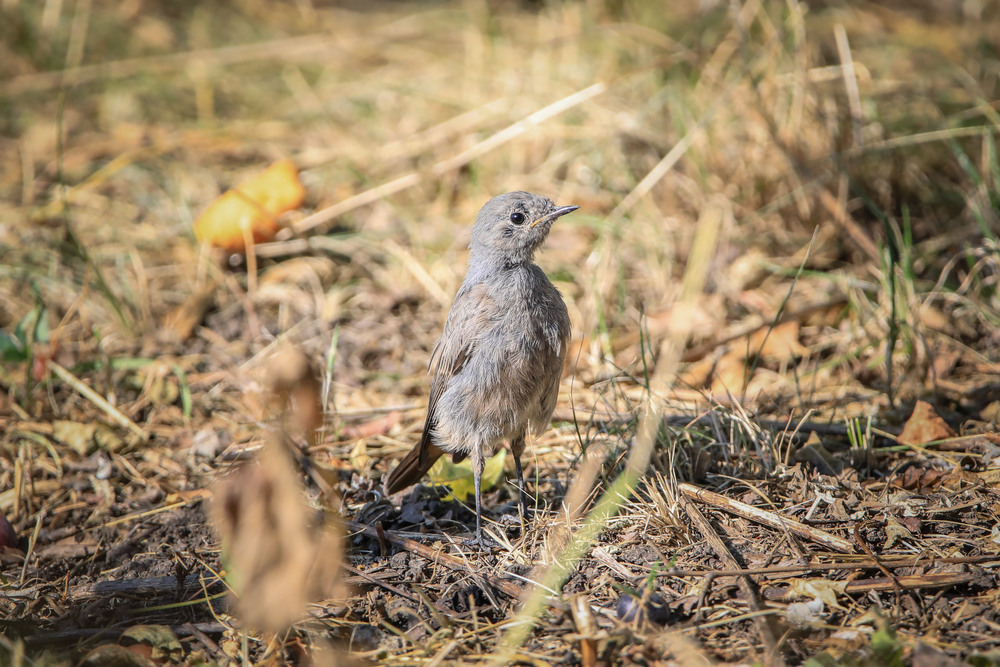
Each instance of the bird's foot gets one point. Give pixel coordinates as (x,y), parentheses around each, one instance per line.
(481,542)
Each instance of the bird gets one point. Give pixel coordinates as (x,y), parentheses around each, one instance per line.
(498,363)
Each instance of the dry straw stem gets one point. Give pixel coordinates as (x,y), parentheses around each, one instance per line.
(306,47)
(324,216)
(767,518)
(764,622)
(621,490)
(97,400)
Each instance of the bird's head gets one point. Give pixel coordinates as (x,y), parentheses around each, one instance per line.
(511,226)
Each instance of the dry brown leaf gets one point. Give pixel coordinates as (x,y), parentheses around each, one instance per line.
(688,319)
(780,343)
(179,323)
(381,426)
(277,559)
(920,479)
(895,531)
(697,374)
(84,438)
(359,457)
(924,426)
(730,373)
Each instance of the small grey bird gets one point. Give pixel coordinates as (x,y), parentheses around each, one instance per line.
(498,362)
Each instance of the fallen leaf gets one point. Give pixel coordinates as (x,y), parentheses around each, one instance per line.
(895,531)
(817,589)
(251,209)
(381,426)
(816,454)
(730,375)
(921,479)
(160,638)
(924,426)
(779,343)
(179,324)
(113,654)
(802,614)
(78,437)
(458,476)
(277,557)
(359,457)
(697,373)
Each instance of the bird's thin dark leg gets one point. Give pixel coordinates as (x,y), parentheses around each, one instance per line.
(517,449)
(478,464)
(477,477)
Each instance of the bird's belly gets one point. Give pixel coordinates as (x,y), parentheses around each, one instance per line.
(494,397)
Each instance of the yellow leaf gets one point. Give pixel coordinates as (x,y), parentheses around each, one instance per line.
(251,209)
(458,476)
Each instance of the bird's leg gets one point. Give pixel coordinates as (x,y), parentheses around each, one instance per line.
(477,475)
(478,460)
(517,449)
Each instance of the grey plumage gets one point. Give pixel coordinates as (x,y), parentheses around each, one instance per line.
(498,362)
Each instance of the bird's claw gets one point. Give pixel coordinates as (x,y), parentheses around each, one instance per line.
(481,542)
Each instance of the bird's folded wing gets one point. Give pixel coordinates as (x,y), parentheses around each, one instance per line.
(470,315)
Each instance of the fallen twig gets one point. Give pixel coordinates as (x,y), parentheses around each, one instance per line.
(434,555)
(767,518)
(768,633)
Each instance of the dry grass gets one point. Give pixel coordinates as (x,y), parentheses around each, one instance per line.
(787,235)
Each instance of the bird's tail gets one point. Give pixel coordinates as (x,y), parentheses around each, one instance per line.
(413,466)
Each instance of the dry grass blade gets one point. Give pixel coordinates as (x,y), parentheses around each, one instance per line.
(767,518)
(768,629)
(320,218)
(97,400)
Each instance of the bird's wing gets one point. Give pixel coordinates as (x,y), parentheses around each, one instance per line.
(551,393)
(469,316)
(558,336)
(470,313)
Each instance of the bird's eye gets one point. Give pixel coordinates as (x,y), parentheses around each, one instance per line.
(517,218)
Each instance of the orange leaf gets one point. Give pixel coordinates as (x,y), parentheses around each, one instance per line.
(924,426)
(251,209)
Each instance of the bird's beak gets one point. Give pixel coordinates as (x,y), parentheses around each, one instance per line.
(553,214)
